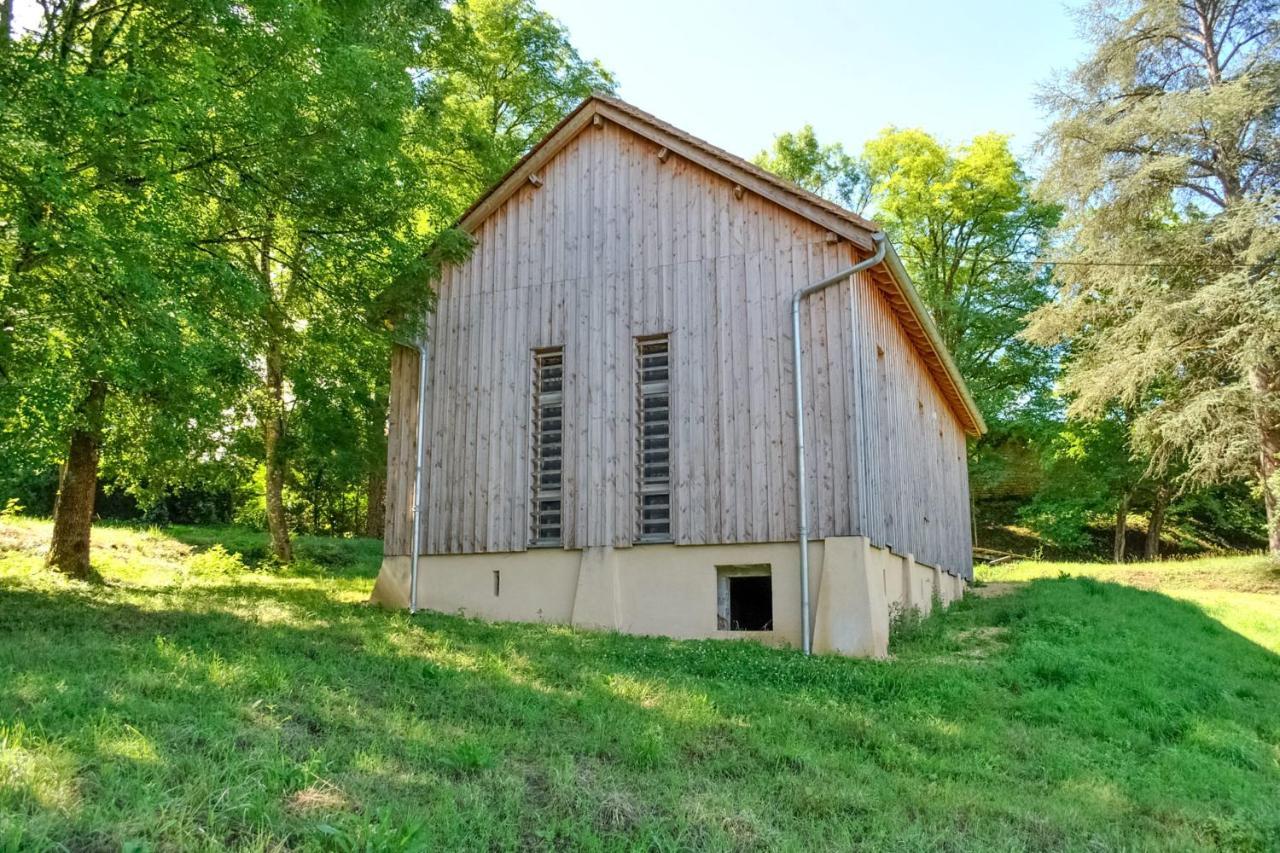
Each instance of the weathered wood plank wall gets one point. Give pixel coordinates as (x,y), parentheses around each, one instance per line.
(616,244)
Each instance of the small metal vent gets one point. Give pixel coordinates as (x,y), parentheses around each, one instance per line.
(548,446)
(653,437)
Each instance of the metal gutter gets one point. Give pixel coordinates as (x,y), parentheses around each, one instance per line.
(423,355)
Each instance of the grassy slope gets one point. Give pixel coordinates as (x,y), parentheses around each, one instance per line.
(1243,593)
(192,705)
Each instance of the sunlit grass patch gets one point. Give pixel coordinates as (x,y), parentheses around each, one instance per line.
(1241,592)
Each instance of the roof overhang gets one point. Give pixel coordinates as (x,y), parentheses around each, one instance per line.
(928,340)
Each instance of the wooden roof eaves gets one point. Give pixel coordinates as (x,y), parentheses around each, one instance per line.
(928,341)
(506,186)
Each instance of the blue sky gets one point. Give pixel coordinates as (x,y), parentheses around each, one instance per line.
(736,73)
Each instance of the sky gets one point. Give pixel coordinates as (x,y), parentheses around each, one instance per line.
(738,73)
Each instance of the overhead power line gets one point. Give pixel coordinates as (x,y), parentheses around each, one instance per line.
(1131,264)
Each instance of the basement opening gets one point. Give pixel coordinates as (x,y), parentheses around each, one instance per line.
(744,598)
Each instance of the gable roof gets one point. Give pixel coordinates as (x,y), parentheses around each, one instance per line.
(889,276)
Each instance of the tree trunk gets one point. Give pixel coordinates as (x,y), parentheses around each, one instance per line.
(273,425)
(272,414)
(73,508)
(1156,522)
(375,515)
(1265,383)
(1122,527)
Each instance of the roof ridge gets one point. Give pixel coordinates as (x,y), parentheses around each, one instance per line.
(740,162)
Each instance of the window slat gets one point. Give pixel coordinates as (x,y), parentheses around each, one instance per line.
(548,447)
(653,438)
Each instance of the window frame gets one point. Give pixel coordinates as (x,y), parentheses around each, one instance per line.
(541,400)
(649,489)
(725,577)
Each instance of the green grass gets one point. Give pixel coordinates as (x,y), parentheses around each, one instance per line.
(193,702)
(1243,593)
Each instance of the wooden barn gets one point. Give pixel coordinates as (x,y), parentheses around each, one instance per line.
(608,428)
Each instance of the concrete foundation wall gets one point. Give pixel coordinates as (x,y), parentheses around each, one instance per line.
(671,590)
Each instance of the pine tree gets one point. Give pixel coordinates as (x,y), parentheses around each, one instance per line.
(1165,152)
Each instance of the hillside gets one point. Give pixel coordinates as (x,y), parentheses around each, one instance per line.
(194,702)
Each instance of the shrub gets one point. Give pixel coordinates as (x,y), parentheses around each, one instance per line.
(216,560)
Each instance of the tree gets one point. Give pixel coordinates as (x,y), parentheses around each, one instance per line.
(826,170)
(1165,152)
(323,222)
(107,305)
(1091,470)
(968,231)
(194,186)
(501,77)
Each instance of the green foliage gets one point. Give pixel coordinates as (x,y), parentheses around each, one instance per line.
(969,232)
(1089,468)
(1225,517)
(1062,519)
(826,170)
(183,709)
(216,560)
(145,136)
(501,77)
(1164,151)
(227,212)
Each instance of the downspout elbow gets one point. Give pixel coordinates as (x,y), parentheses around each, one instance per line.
(881,243)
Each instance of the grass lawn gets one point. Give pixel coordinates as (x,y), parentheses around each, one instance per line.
(194,703)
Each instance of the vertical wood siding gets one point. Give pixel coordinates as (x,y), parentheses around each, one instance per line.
(616,244)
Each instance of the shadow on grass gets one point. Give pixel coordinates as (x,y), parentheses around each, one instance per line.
(187,725)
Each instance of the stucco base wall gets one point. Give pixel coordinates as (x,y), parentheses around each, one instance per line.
(670,590)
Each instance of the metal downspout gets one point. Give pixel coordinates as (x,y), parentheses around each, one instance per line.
(878,239)
(421,347)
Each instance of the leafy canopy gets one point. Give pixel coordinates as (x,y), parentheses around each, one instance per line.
(502,74)
(826,170)
(969,230)
(107,117)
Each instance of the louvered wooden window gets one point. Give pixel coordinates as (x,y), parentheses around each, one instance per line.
(653,437)
(548,446)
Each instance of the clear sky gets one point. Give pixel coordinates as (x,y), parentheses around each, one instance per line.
(737,72)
